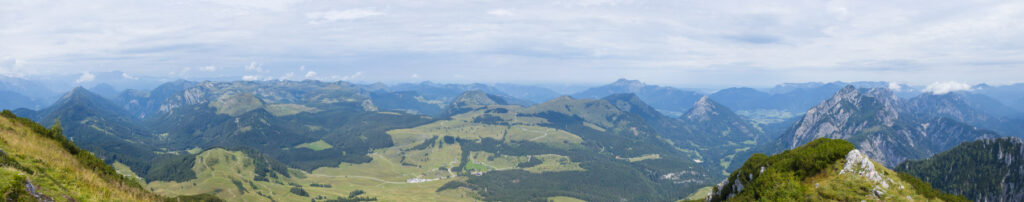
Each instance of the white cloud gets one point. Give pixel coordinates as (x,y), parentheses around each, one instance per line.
(352,77)
(250,78)
(302,68)
(86,77)
(275,5)
(666,42)
(125,75)
(254,67)
(209,68)
(310,74)
(415,76)
(500,12)
(940,88)
(184,71)
(895,87)
(287,76)
(335,15)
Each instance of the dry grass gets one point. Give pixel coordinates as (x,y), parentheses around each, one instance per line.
(58,172)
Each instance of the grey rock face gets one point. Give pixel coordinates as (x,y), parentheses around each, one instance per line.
(881,125)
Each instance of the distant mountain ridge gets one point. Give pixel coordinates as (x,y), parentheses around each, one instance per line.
(672,101)
(881,125)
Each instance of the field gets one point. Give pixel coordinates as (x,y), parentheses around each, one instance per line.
(230,174)
(315,146)
(412,170)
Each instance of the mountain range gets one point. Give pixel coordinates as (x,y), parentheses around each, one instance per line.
(301,140)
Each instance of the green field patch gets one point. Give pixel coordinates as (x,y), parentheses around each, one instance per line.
(229,175)
(194,150)
(640,158)
(727,160)
(542,135)
(461,128)
(738,150)
(766,116)
(315,146)
(700,194)
(455,128)
(554,163)
(564,199)
(123,169)
(289,109)
(236,104)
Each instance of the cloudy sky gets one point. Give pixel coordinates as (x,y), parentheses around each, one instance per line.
(679,43)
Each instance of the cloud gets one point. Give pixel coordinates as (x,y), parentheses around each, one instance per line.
(310,74)
(666,42)
(254,67)
(125,75)
(415,76)
(335,15)
(500,12)
(86,77)
(250,78)
(352,77)
(287,76)
(209,68)
(184,71)
(895,87)
(940,88)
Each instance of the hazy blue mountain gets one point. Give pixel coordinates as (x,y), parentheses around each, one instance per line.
(879,123)
(24,93)
(141,103)
(105,90)
(406,101)
(14,100)
(1010,95)
(975,109)
(472,100)
(671,101)
(447,93)
(533,94)
(983,170)
(781,103)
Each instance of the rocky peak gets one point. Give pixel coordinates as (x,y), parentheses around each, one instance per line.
(471,100)
(703,110)
(847,112)
(78,94)
(859,164)
(632,85)
(632,103)
(477,98)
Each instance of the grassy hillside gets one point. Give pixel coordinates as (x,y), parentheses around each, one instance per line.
(55,168)
(822,170)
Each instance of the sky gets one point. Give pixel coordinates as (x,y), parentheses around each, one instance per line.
(675,43)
